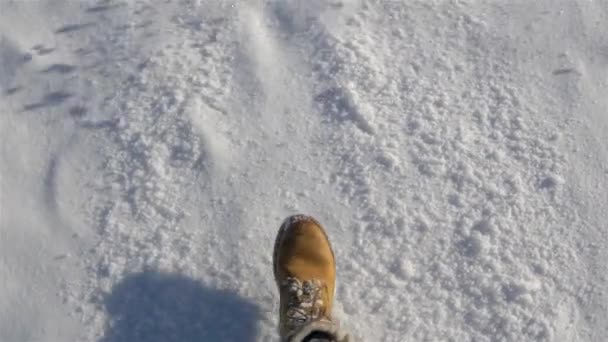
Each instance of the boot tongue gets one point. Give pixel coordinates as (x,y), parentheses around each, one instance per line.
(305,303)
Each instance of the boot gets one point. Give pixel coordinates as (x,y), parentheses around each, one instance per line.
(305,272)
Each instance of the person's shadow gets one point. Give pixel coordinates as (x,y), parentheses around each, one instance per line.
(153,307)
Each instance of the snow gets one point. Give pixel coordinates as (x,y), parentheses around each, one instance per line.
(455,151)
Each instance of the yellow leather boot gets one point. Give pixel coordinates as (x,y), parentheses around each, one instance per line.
(305,272)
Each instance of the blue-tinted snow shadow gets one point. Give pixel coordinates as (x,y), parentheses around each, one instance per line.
(154,307)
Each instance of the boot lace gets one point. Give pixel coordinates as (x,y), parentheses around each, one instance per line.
(304,302)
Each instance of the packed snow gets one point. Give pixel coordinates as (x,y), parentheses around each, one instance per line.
(456,151)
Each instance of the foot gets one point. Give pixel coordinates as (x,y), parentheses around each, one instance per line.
(305,272)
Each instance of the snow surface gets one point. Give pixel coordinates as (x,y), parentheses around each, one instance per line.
(457,152)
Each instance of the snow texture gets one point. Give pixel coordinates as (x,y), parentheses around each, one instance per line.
(456,151)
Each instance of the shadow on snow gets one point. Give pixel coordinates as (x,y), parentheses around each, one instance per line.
(154,306)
